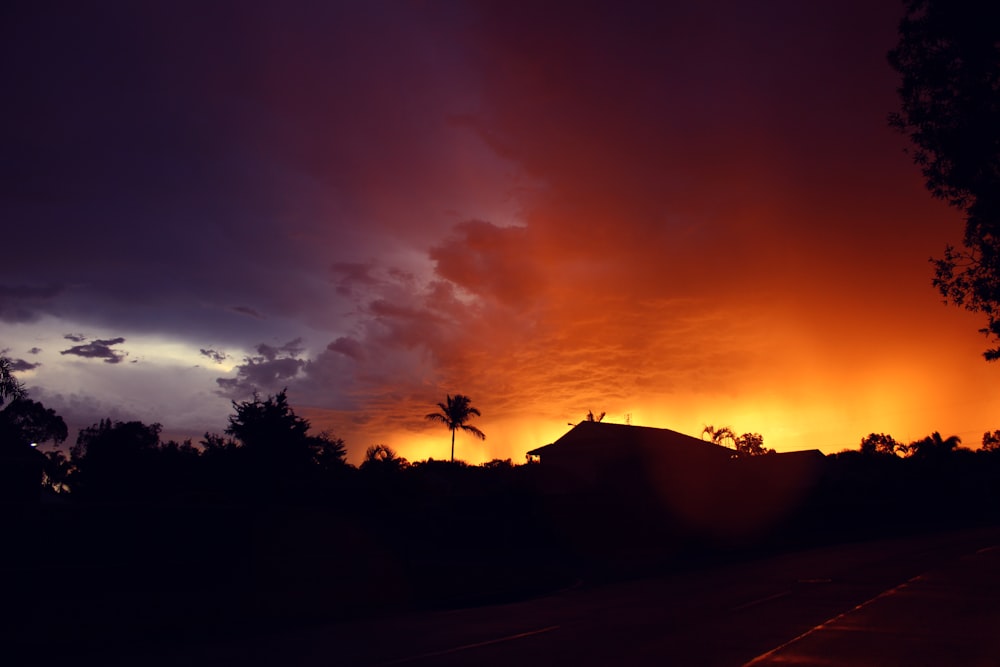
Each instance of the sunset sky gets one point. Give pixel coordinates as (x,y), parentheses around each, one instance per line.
(678,213)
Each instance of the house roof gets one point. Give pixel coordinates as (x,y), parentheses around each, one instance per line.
(599,435)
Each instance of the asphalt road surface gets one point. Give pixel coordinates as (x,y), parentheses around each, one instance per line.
(928,600)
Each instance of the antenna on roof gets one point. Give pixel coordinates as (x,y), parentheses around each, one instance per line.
(628,418)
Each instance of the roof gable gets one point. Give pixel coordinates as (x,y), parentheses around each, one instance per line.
(606,438)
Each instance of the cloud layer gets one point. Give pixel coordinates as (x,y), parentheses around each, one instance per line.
(680,213)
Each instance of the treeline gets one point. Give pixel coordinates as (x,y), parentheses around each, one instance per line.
(267,523)
(886,485)
(266,454)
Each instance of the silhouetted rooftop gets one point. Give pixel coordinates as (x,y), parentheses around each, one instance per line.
(591,436)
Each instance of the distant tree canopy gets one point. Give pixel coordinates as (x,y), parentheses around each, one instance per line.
(991,441)
(751,444)
(273,448)
(115,459)
(24,422)
(269,426)
(880,443)
(383,459)
(723,436)
(934,446)
(748,444)
(948,56)
(270,455)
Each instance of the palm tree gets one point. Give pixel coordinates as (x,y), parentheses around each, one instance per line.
(723,436)
(934,445)
(453,414)
(383,457)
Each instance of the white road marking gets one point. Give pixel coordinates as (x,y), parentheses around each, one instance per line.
(466,647)
(892,591)
(754,603)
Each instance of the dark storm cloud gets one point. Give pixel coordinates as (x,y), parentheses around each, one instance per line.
(223,134)
(35,350)
(25,303)
(215,355)
(99,349)
(349,347)
(272,368)
(18,365)
(292,348)
(76,338)
(348,275)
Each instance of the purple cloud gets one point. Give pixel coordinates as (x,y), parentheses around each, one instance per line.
(272,368)
(215,355)
(19,365)
(99,349)
(24,303)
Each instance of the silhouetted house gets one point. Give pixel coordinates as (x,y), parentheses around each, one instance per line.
(599,452)
(697,482)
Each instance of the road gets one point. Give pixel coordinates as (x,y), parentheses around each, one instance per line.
(928,600)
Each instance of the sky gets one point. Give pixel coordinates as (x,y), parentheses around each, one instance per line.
(680,214)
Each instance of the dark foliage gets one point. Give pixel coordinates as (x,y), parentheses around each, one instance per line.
(272,456)
(991,441)
(880,443)
(934,447)
(10,387)
(948,57)
(116,461)
(24,422)
(267,525)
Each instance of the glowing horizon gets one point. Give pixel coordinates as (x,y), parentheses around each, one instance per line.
(547,210)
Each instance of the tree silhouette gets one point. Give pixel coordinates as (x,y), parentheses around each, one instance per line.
(991,441)
(748,444)
(454,413)
(934,446)
(949,96)
(25,421)
(269,427)
(751,444)
(880,443)
(115,460)
(384,459)
(722,436)
(275,454)
(10,387)
(328,453)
